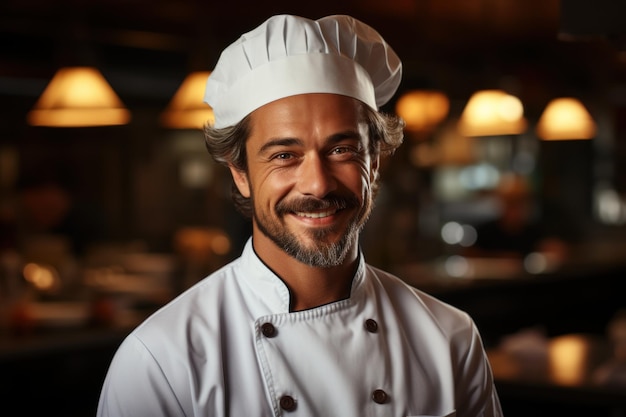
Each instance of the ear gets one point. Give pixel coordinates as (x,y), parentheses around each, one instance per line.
(241,181)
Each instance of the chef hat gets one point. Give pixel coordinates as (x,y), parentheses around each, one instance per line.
(289,55)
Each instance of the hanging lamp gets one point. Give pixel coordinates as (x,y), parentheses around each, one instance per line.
(492,113)
(78,97)
(565,118)
(187,110)
(422,110)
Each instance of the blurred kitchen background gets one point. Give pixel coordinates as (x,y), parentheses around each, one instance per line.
(507,199)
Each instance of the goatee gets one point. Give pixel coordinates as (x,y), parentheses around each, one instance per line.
(323,254)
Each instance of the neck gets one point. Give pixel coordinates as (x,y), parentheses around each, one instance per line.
(309,286)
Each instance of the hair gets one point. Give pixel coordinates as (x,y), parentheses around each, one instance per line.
(227,146)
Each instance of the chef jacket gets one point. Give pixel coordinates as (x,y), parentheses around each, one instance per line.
(229,346)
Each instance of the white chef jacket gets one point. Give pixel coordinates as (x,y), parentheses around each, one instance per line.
(229,346)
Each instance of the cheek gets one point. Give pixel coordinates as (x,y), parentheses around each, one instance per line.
(269,188)
(356,180)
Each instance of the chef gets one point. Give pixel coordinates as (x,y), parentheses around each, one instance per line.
(300,324)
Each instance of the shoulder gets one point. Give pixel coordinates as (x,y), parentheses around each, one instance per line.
(428,322)
(180,339)
(419,305)
(198,306)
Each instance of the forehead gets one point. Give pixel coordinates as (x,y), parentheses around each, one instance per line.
(308,113)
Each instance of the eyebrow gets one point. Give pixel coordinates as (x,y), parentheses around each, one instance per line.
(279,142)
(334,138)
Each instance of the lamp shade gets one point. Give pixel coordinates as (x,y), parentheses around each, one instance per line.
(78,97)
(422,109)
(491,113)
(187,110)
(565,118)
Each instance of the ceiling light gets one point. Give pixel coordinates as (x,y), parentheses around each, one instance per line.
(492,113)
(422,110)
(78,97)
(187,110)
(565,118)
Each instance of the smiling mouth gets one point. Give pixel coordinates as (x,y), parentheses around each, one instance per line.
(316,215)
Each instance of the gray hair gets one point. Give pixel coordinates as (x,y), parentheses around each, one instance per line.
(227,146)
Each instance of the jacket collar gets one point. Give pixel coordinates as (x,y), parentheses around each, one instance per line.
(271,290)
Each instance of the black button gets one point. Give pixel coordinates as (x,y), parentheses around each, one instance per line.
(287,403)
(268,330)
(379,396)
(371,325)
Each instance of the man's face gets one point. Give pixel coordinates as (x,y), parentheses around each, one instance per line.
(309,176)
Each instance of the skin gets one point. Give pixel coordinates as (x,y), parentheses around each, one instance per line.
(309,176)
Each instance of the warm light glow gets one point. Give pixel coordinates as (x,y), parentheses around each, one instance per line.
(567,357)
(491,113)
(422,110)
(448,147)
(41,276)
(199,243)
(220,244)
(187,109)
(566,118)
(78,97)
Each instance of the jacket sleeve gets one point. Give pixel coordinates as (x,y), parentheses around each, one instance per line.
(475,390)
(136,386)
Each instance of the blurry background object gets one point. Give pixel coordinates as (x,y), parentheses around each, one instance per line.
(187,110)
(492,113)
(517,231)
(78,97)
(201,251)
(566,118)
(613,371)
(422,110)
(48,207)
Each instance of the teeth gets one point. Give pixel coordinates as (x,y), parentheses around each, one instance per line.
(316,215)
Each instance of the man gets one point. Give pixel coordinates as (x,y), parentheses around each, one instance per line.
(300,325)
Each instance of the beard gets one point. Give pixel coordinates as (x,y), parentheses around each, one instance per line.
(322,254)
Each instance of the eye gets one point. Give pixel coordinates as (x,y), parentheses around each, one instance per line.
(344,152)
(282,156)
(341,150)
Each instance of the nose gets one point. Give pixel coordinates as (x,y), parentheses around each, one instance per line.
(315,177)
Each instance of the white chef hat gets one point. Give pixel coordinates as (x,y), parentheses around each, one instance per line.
(289,55)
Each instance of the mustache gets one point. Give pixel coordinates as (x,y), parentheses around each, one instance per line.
(315,204)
